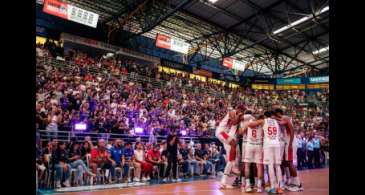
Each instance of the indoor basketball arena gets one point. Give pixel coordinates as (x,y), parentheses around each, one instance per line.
(182,97)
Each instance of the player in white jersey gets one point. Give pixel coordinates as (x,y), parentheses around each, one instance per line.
(271,148)
(253,154)
(226,133)
(243,123)
(286,127)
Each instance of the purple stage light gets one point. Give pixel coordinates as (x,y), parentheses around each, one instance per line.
(80,126)
(183,132)
(138,130)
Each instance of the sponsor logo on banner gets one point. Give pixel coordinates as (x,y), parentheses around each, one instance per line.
(163,41)
(319,79)
(70,12)
(289,81)
(166,42)
(55,8)
(233,64)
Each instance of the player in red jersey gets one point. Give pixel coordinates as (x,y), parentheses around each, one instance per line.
(226,133)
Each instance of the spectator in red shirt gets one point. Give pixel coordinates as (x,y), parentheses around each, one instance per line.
(100,158)
(154,157)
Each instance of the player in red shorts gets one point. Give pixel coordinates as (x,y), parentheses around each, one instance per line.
(286,127)
(226,133)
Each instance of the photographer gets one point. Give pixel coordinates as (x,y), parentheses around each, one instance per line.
(172,141)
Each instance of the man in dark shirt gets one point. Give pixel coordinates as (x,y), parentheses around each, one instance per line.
(172,141)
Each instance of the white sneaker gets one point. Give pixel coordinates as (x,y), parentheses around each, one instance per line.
(129,180)
(225,186)
(249,189)
(148,178)
(164,180)
(58,184)
(259,189)
(243,189)
(136,179)
(67,183)
(173,180)
(144,179)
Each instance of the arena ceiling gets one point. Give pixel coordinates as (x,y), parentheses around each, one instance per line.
(275,37)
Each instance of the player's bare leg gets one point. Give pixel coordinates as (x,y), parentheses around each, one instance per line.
(260,176)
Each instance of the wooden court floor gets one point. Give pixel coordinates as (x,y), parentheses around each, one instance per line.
(315,182)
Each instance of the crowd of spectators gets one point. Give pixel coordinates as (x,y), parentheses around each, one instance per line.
(145,159)
(97,92)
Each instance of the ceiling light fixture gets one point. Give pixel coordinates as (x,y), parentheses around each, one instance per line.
(301,20)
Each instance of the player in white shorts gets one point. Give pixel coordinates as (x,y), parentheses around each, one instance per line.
(253,154)
(286,127)
(226,133)
(244,121)
(271,148)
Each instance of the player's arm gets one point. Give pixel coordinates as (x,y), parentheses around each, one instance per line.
(243,130)
(256,123)
(291,131)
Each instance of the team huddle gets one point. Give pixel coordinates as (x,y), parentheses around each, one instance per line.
(267,142)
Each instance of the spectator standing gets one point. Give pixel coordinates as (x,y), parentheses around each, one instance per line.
(172,142)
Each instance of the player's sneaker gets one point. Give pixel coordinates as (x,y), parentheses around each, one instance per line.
(136,179)
(58,184)
(144,179)
(259,189)
(249,189)
(225,186)
(272,191)
(294,188)
(164,180)
(67,183)
(242,188)
(279,191)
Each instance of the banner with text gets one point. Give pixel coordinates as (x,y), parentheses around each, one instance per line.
(166,42)
(288,81)
(70,12)
(324,79)
(233,64)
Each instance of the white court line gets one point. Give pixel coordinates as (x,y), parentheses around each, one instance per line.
(173,192)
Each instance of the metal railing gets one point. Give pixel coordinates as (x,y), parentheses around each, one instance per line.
(67,136)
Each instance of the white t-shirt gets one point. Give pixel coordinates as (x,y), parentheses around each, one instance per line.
(139,155)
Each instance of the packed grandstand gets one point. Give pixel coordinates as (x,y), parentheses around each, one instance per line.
(120,101)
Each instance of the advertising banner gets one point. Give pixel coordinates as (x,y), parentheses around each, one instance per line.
(288,81)
(70,12)
(166,42)
(324,79)
(233,64)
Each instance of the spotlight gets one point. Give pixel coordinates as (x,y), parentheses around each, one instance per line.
(183,132)
(80,126)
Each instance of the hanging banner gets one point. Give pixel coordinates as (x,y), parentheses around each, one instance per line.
(70,12)
(233,64)
(324,79)
(288,81)
(166,42)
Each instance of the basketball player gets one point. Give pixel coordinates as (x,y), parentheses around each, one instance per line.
(226,133)
(243,125)
(271,148)
(287,129)
(253,154)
